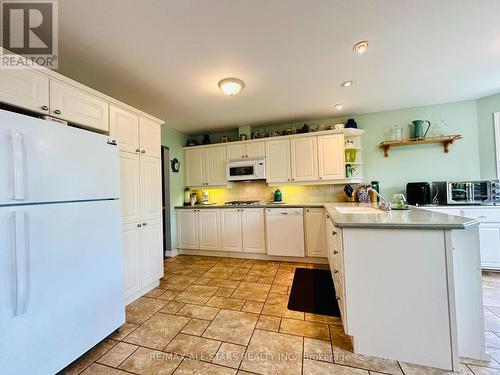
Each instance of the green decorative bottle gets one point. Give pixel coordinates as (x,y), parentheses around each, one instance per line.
(278,197)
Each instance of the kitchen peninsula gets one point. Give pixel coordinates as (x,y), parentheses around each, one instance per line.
(411,277)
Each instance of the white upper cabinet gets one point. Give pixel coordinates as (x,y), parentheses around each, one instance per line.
(251,150)
(150,187)
(331,157)
(206,166)
(315,232)
(231,229)
(195,165)
(236,151)
(256,150)
(72,104)
(130,182)
(124,125)
(215,166)
(278,161)
(25,88)
(304,157)
(209,229)
(150,137)
(253,229)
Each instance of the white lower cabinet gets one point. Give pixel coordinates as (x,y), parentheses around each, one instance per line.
(315,232)
(227,229)
(232,236)
(489,230)
(142,256)
(253,230)
(209,229)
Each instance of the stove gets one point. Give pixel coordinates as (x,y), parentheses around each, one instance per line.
(243,203)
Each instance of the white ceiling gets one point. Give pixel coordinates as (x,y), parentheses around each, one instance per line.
(166,57)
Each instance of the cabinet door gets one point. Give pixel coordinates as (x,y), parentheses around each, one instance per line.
(254,240)
(130,185)
(489,241)
(77,106)
(151,251)
(209,229)
(315,232)
(278,161)
(150,137)
(235,152)
(304,156)
(255,150)
(187,229)
(25,88)
(215,166)
(331,157)
(150,187)
(231,229)
(194,159)
(124,126)
(131,259)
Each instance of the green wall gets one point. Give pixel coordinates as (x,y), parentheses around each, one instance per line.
(175,141)
(485,108)
(416,163)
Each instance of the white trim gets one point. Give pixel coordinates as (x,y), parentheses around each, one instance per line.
(496,120)
(171,254)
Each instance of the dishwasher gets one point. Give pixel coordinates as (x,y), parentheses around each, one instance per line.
(285,231)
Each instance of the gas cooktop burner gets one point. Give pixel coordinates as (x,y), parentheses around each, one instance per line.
(242,203)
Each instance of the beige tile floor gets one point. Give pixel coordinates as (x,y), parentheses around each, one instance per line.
(229,316)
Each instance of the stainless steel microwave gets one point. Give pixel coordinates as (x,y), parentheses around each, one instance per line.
(469,192)
(244,170)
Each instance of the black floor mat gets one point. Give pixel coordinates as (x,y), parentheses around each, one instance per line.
(313,292)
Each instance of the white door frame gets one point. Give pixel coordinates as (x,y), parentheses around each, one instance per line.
(496,120)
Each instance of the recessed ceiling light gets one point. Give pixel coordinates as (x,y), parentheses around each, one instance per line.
(360,47)
(231,86)
(347,84)
(338,106)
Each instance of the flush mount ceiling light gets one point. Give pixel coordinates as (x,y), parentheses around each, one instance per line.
(347,84)
(231,86)
(360,47)
(338,106)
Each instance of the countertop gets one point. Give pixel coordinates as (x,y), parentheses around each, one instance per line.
(415,218)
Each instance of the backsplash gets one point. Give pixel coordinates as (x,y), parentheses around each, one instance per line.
(261,191)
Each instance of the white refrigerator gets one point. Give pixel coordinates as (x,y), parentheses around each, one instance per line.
(61,262)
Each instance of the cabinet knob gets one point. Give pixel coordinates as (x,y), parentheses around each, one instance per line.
(338,298)
(327,216)
(139,225)
(144,223)
(320,178)
(137,150)
(57,112)
(336,271)
(335,252)
(242,156)
(45,108)
(288,179)
(143,151)
(307,210)
(334,233)
(246,156)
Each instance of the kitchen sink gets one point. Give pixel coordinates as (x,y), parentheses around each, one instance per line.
(359,210)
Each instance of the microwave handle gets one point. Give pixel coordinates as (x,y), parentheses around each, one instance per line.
(470,192)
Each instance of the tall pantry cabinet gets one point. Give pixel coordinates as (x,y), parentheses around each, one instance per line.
(139,139)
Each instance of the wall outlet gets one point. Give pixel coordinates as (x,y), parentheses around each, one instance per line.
(332,189)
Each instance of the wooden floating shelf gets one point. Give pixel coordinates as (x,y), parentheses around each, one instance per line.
(446,140)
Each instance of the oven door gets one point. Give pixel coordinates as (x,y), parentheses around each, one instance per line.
(480,192)
(240,171)
(458,192)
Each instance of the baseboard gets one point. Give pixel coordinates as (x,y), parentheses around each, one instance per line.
(141,292)
(172,253)
(230,254)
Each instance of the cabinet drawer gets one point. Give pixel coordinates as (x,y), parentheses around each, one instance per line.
(488,215)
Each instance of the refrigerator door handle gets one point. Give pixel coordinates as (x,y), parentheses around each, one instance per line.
(21,281)
(18,165)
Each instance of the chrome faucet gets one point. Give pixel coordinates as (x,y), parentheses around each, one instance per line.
(384,205)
